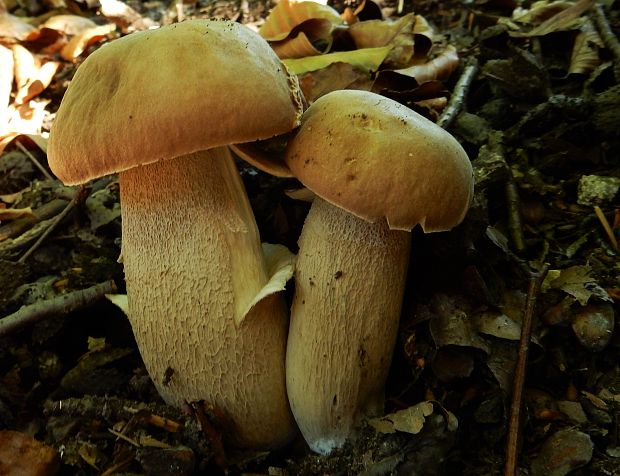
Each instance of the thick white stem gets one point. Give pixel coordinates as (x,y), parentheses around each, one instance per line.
(193,261)
(349,279)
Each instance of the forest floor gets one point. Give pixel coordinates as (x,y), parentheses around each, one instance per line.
(533,95)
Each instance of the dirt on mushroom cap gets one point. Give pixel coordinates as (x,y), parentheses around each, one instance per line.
(377,158)
(157,94)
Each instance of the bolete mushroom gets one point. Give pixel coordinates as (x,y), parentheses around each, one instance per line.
(160,107)
(378,169)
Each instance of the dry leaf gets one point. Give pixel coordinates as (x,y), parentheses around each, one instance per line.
(497,324)
(31,77)
(30,141)
(410,420)
(585,56)
(375,33)
(575,281)
(120,301)
(297,47)
(119,12)
(14,213)
(440,67)
(24,118)
(562,21)
(25,65)
(332,78)
(80,42)
(367,60)
(6,84)
(287,15)
(14,28)
(69,24)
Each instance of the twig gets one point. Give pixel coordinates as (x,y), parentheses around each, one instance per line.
(459,95)
(602,25)
(514,215)
(54,223)
(607,227)
(512,443)
(44,212)
(56,306)
(33,159)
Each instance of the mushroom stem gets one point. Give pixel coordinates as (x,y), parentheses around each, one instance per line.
(193,263)
(350,279)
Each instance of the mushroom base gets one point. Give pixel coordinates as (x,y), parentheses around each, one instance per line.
(193,261)
(350,278)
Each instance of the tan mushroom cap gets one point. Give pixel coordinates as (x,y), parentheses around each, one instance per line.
(163,93)
(376,158)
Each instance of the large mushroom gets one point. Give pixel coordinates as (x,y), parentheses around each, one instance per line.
(160,107)
(378,169)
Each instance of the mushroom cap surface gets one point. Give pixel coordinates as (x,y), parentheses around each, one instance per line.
(159,94)
(378,159)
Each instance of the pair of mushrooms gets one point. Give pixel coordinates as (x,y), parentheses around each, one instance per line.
(203,294)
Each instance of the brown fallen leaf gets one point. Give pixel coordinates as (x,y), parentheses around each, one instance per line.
(6,83)
(585,56)
(564,20)
(541,11)
(30,141)
(410,420)
(83,40)
(31,76)
(14,28)
(439,68)
(118,12)
(69,24)
(14,213)
(305,38)
(22,455)
(24,118)
(399,34)
(25,65)
(334,77)
(297,47)
(287,15)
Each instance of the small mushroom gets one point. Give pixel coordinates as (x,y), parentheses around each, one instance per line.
(160,107)
(378,170)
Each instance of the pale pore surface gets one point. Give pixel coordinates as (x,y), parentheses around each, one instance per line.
(350,279)
(184,232)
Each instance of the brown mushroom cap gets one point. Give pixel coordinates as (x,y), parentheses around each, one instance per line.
(376,158)
(162,93)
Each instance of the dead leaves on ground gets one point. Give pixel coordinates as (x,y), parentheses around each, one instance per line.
(32,51)
(546,19)
(330,51)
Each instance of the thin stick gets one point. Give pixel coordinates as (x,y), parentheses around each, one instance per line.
(512,443)
(610,233)
(77,197)
(33,159)
(514,215)
(59,305)
(44,212)
(459,95)
(607,34)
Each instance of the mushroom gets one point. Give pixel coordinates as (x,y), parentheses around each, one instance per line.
(160,107)
(378,169)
